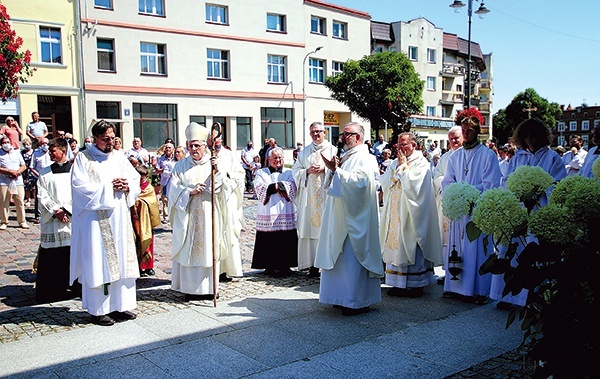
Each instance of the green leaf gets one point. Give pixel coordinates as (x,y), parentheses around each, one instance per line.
(473,232)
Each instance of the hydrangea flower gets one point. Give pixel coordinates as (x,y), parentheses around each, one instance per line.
(458,200)
(596,168)
(499,213)
(529,182)
(554,224)
(580,194)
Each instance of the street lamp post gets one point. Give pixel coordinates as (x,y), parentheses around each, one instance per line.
(457,5)
(304,93)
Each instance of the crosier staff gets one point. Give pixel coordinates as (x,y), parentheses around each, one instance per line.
(215,132)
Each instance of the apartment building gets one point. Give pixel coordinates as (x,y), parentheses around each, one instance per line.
(153,66)
(579,121)
(440,60)
(49,31)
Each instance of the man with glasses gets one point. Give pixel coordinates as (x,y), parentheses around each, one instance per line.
(190,213)
(309,175)
(348,251)
(103,254)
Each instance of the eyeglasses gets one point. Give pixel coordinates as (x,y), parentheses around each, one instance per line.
(196,145)
(346,134)
(107,139)
(316,131)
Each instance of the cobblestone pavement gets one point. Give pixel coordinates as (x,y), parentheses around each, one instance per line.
(22,318)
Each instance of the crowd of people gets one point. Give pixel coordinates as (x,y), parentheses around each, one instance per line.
(98,204)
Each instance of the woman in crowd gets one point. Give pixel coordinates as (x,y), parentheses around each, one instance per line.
(12,130)
(29,180)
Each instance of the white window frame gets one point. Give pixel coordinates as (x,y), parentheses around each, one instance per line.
(153,58)
(110,52)
(150,7)
(316,70)
(431,55)
(321,28)
(596,122)
(336,68)
(217,14)
(585,125)
(51,42)
(106,4)
(340,29)
(279,20)
(431,83)
(586,140)
(561,126)
(431,111)
(560,140)
(413,53)
(572,126)
(217,64)
(276,68)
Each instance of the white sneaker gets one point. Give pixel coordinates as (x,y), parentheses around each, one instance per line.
(24,225)
(2,226)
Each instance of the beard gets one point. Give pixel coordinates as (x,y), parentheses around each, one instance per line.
(108,148)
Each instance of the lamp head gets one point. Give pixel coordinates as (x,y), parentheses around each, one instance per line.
(457,5)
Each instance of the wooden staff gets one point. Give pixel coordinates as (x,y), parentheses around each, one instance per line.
(215,132)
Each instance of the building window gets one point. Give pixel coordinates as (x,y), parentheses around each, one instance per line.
(431,83)
(216,14)
(340,30)
(152,57)
(431,111)
(379,49)
(152,7)
(106,54)
(413,52)
(317,25)
(431,55)
(275,22)
(572,115)
(393,48)
(107,4)
(201,120)
(585,114)
(572,125)
(244,131)
(586,140)
(278,123)
(217,64)
(585,125)
(561,141)
(50,45)
(276,69)
(596,122)
(337,68)
(154,123)
(108,110)
(316,70)
(597,114)
(561,126)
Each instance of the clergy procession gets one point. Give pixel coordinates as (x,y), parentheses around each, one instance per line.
(338,213)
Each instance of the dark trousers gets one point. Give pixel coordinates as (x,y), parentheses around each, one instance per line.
(249,183)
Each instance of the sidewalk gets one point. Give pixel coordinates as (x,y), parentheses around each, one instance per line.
(262,327)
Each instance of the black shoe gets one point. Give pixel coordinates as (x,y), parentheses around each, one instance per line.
(441,279)
(122,316)
(143,274)
(103,320)
(150,272)
(354,311)
(223,278)
(313,272)
(503,305)
(450,295)
(412,292)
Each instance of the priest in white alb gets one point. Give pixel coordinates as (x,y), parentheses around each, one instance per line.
(190,213)
(348,251)
(409,232)
(309,175)
(103,255)
(478,166)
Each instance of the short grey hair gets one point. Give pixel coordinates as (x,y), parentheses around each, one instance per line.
(361,130)
(316,123)
(278,149)
(454,129)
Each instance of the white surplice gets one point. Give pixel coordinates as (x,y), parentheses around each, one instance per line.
(438,177)
(103,254)
(191,219)
(409,223)
(351,214)
(591,156)
(478,167)
(310,200)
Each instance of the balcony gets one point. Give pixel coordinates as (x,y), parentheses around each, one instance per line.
(452,69)
(451,97)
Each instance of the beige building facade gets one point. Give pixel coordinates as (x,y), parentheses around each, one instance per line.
(154,66)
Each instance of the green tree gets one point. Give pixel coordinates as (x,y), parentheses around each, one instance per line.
(14,64)
(379,88)
(529,101)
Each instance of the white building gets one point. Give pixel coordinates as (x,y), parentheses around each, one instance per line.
(153,66)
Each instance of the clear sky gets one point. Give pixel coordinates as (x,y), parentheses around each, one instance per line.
(549,45)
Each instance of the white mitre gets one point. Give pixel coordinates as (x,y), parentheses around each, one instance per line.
(196,132)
